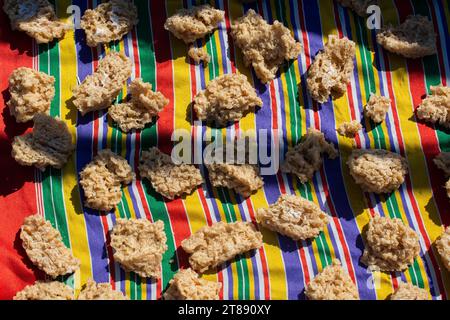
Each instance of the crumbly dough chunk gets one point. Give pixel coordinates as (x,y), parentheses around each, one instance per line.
(447,187)
(143,107)
(443,247)
(442,161)
(50,144)
(390,245)
(331,70)
(359,6)
(36,18)
(199,55)
(377,171)
(213,245)
(349,129)
(242,178)
(414,38)
(194,23)
(167,178)
(226,98)
(265,47)
(100,291)
(52,290)
(187,285)
(377,108)
(102,180)
(306,157)
(109,21)
(43,245)
(31,92)
(294,217)
(99,89)
(407,291)
(333,283)
(436,107)
(139,246)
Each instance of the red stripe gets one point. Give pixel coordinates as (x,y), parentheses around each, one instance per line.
(17,182)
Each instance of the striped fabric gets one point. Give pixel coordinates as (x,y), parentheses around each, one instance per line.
(282,267)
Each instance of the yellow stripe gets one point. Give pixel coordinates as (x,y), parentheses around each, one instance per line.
(75,219)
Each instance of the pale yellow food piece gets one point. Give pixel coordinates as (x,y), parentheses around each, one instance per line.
(359,6)
(349,129)
(377,108)
(103,178)
(443,247)
(265,46)
(447,187)
(50,144)
(244,179)
(139,246)
(306,157)
(109,21)
(31,93)
(293,217)
(435,108)
(187,285)
(227,98)
(36,18)
(199,55)
(99,90)
(213,245)
(43,245)
(143,107)
(333,283)
(194,23)
(407,291)
(390,245)
(331,70)
(40,290)
(167,178)
(414,38)
(377,171)
(100,291)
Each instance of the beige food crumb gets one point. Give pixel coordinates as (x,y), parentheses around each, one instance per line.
(109,21)
(359,6)
(31,93)
(36,18)
(377,108)
(349,129)
(377,171)
(187,285)
(199,55)
(100,291)
(52,290)
(333,283)
(50,144)
(447,187)
(226,98)
(139,246)
(306,157)
(331,70)
(43,245)
(244,179)
(103,178)
(265,47)
(213,245)
(294,217)
(143,107)
(443,247)
(414,38)
(99,90)
(390,245)
(436,107)
(407,291)
(442,161)
(167,178)
(194,23)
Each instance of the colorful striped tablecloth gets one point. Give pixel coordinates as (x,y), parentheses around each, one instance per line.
(282,267)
